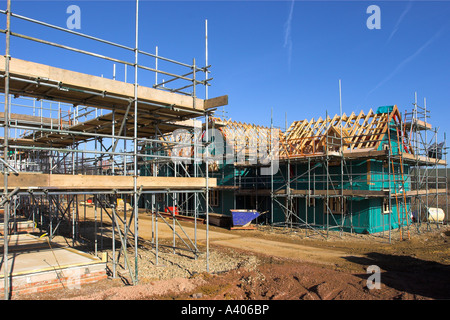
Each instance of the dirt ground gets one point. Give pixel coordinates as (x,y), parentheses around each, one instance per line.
(274,264)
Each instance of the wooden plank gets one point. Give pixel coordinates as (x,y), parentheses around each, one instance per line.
(337,192)
(32,70)
(30,142)
(23,118)
(220,220)
(365,153)
(423,159)
(418,125)
(216,102)
(178,217)
(423,192)
(249,227)
(80,80)
(27,180)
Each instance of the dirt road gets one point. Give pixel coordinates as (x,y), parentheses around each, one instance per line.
(278,264)
(246,241)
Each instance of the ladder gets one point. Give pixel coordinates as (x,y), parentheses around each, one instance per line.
(400,147)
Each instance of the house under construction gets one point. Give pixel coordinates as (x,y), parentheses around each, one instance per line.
(71,137)
(364,173)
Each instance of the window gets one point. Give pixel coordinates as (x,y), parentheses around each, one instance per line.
(214,198)
(311,202)
(386,208)
(335,205)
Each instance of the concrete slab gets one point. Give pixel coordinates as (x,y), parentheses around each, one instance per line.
(37,265)
(18,225)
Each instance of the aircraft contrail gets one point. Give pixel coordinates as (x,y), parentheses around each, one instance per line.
(400,19)
(407,60)
(287,33)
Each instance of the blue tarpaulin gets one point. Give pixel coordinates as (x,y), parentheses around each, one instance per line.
(243,217)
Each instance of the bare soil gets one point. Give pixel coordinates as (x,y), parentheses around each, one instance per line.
(286,265)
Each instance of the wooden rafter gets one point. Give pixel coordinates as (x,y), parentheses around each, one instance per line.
(361,133)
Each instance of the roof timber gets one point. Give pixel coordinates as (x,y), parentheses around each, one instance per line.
(362,131)
(361,135)
(249,139)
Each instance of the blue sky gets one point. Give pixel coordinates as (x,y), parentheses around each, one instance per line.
(283,56)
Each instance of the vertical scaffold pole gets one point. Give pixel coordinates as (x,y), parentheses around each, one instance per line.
(271,172)
(156,65)
(426,165)
(206,59)
(135,204)
(342,160)
(207,192)
(327,210)
(5,153)
(389,180)
(446,178)
(207,140)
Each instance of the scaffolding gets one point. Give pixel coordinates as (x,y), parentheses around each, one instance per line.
(332,169)
(423,140)
(334,148)
(69,136)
